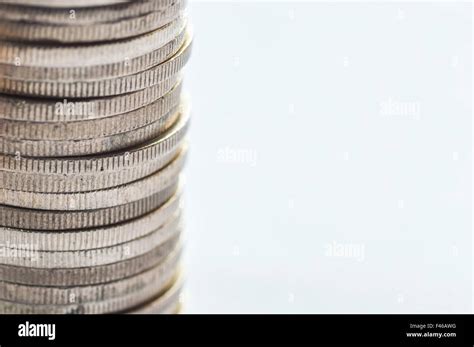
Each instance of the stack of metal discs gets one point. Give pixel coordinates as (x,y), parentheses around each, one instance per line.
(92,143)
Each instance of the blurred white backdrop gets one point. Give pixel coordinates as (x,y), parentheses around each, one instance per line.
(330,166)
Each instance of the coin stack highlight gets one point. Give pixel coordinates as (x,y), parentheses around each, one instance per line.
(92,144)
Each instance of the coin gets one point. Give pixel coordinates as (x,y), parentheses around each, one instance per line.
(94,128)
(99,145)
(21,218)
(23,55)
(59,240)
(100,87)
(54,110)
(97,199)
(91,257)
(98,307)
(90,12)
(84,174)
(91,62)
(167,303)
(101,31)
(66,277)
(64,4)
(39,295)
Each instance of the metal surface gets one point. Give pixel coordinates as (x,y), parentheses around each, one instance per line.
(92,145)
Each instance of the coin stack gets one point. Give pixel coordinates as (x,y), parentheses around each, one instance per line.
(92,143)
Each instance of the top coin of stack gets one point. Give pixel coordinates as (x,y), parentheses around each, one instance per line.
(92,143)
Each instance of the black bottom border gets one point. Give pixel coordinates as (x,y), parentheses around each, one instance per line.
(240,329)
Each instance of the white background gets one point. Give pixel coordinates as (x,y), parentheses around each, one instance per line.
(330,167)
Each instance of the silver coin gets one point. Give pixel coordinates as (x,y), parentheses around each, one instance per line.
(74,12)
(98,199)
(91,62)
(99,307)
(91,257)
(64,3)
(21,218)
(101,31)
(67,277)
(52,110)
(99,145)
(101,87)
(36,295)
(84,174)
(23,55)
(95,128)
(87,182)
(167,303)
(58,240)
